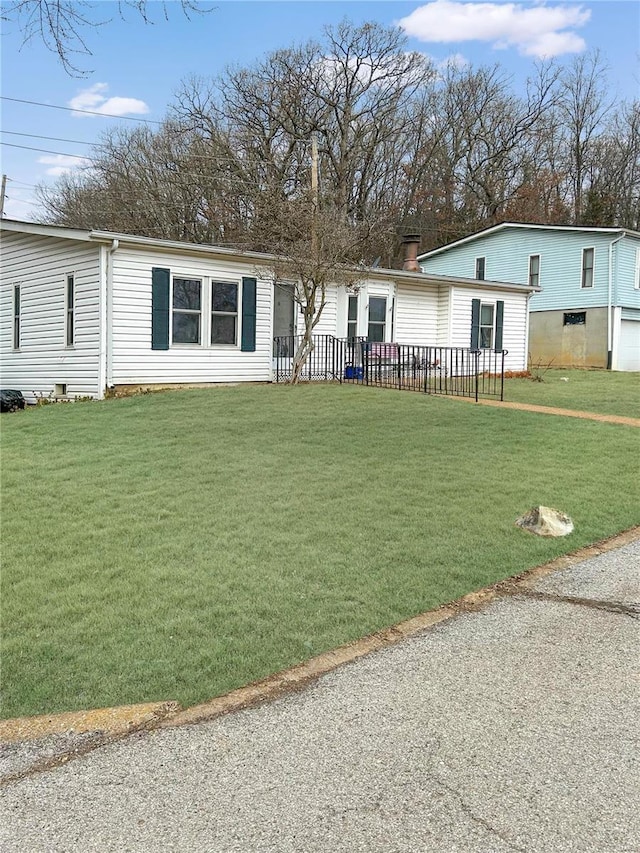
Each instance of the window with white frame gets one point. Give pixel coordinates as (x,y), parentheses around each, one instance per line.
(587,267)
(224,312)
(534,270)
(186,314)
(377,318)
(487,325)
(16,316)
(70,311)
(480,267)
(352,316)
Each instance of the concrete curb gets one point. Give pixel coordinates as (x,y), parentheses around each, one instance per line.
(114,723)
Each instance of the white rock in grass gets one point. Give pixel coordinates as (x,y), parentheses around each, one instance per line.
(545,521)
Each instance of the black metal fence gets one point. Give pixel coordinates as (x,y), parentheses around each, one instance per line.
(454,371)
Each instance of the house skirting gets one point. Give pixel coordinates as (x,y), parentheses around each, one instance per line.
(569,338)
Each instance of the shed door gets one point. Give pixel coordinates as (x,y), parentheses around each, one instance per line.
(629,348)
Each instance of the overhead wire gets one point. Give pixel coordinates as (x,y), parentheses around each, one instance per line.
(77,110)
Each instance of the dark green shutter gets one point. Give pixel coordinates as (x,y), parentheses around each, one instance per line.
(160,308)
(475,323)
(248,343)
(499,323)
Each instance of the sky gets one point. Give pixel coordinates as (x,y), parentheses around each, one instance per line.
(136,68)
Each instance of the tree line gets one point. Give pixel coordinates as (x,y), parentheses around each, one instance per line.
(446,151)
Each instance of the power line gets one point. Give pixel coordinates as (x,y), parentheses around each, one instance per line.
(76,110)
(44,150)
(213,157)
(50,138)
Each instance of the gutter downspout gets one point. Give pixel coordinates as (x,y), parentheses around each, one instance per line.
(102,339)
(109,314)
(527,318)
(610,305)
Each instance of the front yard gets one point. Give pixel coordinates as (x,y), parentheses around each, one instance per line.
(174,546)
(602,391)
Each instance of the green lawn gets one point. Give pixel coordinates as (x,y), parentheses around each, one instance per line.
(603,391)
(177,545)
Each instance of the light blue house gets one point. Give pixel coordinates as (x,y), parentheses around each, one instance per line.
(587,312)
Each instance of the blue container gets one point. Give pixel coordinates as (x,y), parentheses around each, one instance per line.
(353,372)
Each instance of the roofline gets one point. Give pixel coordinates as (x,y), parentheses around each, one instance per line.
(371,273)
(503,225)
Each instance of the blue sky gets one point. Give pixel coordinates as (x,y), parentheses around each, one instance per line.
(135,68)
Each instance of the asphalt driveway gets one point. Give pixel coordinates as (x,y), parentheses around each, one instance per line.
(512,728)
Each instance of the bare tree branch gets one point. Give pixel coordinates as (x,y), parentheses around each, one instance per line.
(61,24)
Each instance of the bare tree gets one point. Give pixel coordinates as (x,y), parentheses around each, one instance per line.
(356,90)
(61,24)
(314,248)
(453,152)
(584,105)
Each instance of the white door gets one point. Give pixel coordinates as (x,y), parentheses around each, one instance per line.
(629,346)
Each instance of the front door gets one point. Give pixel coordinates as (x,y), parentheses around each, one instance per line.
(284,323)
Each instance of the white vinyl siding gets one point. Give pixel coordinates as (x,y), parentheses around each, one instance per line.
(133,361)
(417,314)
(514,330)
(328,323)
(39,265)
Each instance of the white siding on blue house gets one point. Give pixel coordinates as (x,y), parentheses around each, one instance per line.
(40,266)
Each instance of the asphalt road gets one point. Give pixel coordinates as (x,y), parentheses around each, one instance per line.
(512,728)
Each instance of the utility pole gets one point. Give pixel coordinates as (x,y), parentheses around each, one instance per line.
(2,195)
(314,191)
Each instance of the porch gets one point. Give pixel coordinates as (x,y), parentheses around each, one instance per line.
(453,371)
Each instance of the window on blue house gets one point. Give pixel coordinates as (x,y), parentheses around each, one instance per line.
(587,267)
(480,266)
(574,318)
(534,270)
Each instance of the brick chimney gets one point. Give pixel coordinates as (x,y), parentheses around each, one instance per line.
(411,243)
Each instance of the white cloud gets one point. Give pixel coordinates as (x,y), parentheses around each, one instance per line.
(95,99)
(539,30)
(454,60)
(60,164)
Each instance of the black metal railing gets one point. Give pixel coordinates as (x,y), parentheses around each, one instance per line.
(454,371)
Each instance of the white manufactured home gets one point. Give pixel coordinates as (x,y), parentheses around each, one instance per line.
(86,311)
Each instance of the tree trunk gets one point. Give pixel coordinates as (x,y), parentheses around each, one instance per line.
(304,350)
